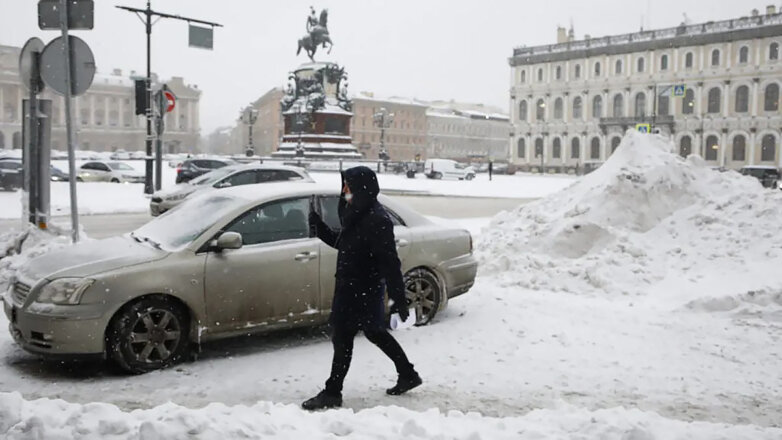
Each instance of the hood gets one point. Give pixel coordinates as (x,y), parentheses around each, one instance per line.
(178,189)
(362,182)
(91,258)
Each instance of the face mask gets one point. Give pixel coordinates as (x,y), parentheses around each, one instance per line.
(348,197)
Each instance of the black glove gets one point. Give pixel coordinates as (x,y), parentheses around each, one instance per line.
(314,219)
(401,308)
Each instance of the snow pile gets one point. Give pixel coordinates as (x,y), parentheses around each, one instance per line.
(646,222)
(57,419)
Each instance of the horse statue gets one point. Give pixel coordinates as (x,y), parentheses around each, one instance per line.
(317,34)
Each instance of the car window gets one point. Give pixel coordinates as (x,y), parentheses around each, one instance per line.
(329,212)
(243,178)
(200,163)
(8,165)
(88,166)
(102,167)
(395,219)
(120,166)
(277,175)
(215,164)
(275,221)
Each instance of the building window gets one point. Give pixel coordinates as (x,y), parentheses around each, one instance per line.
(597,107)
(577,108)
(640,105)
(743,55)
(540,75)
(559,72)
(768,150)
(664,62)
(558,108)
(739,148)
(773,52)
(688,104)
(523,76)
(539,147)
(641,65)
(688,60)
(742,99)
(540,110)
(521,148)
(597,69)
(615,143)
(595,148)
(712,147)
(575,148)
(714,100)
(557,149)
(618,106)
(715,57)
(618,67)
(771,98)
(523,111)
(577,73)
(663,105)
(685,146)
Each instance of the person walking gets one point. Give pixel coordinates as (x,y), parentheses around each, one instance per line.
(367,263)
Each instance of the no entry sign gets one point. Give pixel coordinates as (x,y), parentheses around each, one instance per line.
(170,101)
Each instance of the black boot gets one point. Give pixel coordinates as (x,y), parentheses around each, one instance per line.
(324,399)
(405,384)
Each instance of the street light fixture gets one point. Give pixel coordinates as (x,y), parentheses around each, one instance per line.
(383,119)
(249,117)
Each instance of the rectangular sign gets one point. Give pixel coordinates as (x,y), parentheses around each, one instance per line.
(643,128)
(679,90)
(201,37)
(80,14)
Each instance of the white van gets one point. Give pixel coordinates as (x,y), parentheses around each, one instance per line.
(446,168)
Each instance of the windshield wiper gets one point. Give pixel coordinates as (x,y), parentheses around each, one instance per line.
(133,236)
(154,244)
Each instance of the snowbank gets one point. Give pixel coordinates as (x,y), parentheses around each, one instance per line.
(647,222)
(57,419)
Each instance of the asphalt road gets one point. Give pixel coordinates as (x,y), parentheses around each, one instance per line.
(108,225)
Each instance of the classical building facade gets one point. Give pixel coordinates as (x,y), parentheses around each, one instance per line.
(572,101)
(466,132)
(268,127)
(404,139)
(104,116)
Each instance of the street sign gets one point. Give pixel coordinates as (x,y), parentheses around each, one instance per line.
(170,100)
(201,37)
(643,128)
(679,90)
(82,66)
(29,69)
(80,14)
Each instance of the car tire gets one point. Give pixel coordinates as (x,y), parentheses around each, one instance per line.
(149,334)
(79,179)
(424,294)
(114,180)
(469,177)
(437,176)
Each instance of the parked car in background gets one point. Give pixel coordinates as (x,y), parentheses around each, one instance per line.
(768,176)
(447,168)
(58,175)
(192,168)
(11,174)
(115,172)
(225,177)
(119,155)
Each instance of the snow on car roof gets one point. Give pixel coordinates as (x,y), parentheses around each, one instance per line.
(276,189)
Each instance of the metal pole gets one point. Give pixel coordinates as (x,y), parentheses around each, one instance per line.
(162,104)
(148,160)
(654,109)
(68,122)
(32,158)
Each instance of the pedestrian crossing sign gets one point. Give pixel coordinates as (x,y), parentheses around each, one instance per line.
(679,90)
(643,128)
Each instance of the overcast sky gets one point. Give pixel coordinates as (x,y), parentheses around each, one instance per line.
(427,49)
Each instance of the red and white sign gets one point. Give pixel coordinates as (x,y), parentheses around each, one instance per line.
(170,100)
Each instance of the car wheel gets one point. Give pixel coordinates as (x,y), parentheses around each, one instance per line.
(114,180)
(423,292)
(437,176)
(149,334)
(79,179)
(470,176)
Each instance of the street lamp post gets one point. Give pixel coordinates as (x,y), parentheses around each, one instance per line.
(249,117)
(383,119)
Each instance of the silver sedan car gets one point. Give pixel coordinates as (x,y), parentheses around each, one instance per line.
(225,263)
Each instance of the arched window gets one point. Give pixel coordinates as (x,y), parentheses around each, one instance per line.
(597,68)
(558,108)
(640,65)
(715,57)
(739,148)
(577,108)
(663,105)
(640,105)
(771,98)
(743,55)
(556,152)
(685,146)
(773,51)
(688,104)
(575,148)
(540,75)
(540,110)
(521,148)
(559,72)
(618,67)
(768,148)
(523,110)
(523,76)
(539,147)
(688,60)
(618,106)
(714,100)
(712,147)
(742,99)
(577,72)
(615,143)
(597,107)
(664,62)
(594,152)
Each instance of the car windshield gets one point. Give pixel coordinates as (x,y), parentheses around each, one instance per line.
(120,166)
(212,176)
(179,227)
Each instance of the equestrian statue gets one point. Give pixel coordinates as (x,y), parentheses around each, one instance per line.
(317,34)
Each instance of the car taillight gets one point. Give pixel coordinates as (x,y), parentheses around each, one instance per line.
(179,170)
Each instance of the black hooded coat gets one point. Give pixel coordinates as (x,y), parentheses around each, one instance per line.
(367,261)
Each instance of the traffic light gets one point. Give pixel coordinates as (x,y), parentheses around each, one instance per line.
(141,97)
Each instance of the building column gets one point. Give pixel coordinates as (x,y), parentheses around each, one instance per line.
(729,56)
(106,122)
(752,140)
(675,61)
(726,99)
(754,98)
(699,100)
(627,103)
(565,108)
(121,110)
(586,106)
(92,110)
(723,147)
(650,102)
(604,107)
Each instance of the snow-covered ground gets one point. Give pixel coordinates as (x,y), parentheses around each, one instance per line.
(640,303)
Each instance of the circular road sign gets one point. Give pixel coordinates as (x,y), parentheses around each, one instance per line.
(82,65)
(31,80)
(170,101)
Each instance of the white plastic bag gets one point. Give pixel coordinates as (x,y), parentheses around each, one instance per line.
(397,323)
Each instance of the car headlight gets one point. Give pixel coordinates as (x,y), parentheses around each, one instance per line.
(64,291)
(175,197)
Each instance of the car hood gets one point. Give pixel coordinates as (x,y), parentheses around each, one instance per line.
(183,188)
(91,258)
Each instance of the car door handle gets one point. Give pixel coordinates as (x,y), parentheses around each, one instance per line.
(306,256)
(401,242)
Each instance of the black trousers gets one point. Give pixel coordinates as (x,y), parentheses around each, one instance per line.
(342,338)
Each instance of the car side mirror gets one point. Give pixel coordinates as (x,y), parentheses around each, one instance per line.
(225,184)
(228,240)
